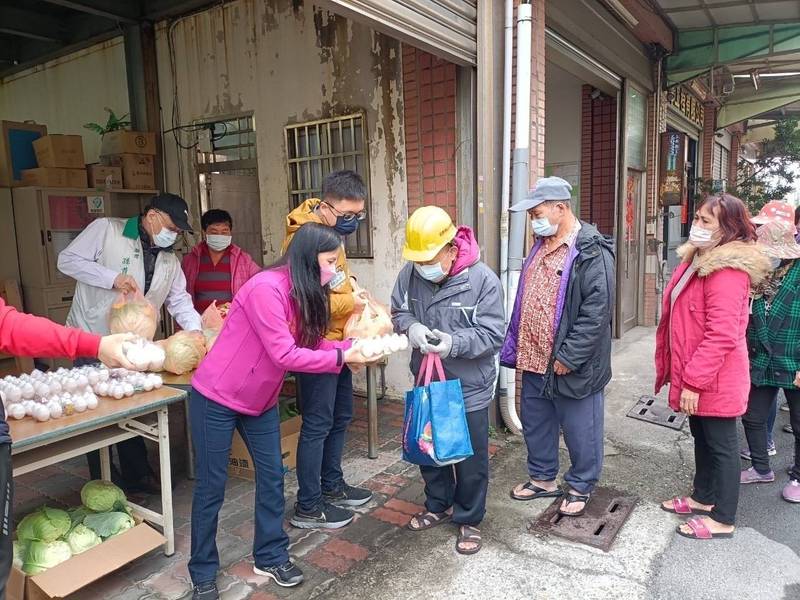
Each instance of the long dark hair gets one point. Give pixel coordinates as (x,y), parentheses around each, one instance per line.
(310,298)
(733,217)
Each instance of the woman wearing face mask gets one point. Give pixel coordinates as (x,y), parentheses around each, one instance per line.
(773,335)
(216,268)
(276,324)
(112,256)
(701,352)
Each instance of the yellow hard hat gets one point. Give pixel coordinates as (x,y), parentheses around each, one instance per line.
(428,230)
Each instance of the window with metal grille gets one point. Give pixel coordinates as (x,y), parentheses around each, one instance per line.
(720,162)
(316,148)
(228,145)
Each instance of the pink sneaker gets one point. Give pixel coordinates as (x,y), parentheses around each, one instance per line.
(791,491)
(752,476)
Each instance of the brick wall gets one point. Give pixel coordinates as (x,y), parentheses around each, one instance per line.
(598,159)
(429,110)
(709,129)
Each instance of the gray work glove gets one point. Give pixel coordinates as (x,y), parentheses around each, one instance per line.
(444,346)
(418,336)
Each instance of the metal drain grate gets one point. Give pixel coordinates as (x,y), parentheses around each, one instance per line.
(598,527)
(651,410)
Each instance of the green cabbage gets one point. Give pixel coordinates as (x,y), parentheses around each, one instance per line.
(45,555)
(81,538)
(20,547)
(78,514)
(107,525)
(44,524)
(103,496)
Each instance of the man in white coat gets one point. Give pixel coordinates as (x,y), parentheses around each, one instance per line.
(116,255)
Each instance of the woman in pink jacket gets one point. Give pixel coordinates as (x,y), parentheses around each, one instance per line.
(276,324)
(701,352)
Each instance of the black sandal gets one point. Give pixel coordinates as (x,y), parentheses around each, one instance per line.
(467,534)
(570,498)
(537,492)
(427,520)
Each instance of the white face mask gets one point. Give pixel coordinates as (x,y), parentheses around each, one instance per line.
(165,238)
(701,238)
(543,227)
(218,242)
(433,272)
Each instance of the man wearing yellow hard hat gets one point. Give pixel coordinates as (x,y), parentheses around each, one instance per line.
(448,302)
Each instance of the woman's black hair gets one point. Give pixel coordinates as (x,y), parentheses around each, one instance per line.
(311,298)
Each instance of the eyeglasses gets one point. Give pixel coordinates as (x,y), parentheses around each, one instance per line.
(359,216)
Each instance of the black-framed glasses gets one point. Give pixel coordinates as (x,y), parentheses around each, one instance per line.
(359,216)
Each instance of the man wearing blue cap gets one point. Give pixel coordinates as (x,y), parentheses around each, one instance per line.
(560,338)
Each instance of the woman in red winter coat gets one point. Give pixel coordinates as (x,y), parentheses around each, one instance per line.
(701,352)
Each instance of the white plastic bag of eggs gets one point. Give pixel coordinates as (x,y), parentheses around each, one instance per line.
(46,396)
(144,355)
(378,347)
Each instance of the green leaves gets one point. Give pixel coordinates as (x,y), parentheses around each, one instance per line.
(114,123)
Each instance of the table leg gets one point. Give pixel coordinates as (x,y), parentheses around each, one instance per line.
(372,414)
(189,443)
(105,463)
(166,481)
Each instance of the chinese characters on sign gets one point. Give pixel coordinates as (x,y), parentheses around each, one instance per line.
(672,188)
(687,104)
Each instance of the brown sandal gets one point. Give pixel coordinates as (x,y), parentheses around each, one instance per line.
(427,520)
(467,534)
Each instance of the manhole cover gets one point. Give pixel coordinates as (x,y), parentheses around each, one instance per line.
(598,527)
(651,410)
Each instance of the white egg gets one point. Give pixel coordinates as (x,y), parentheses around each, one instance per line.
(102,388)
(91,401)
(70,385)
(27,391)
(82,380)
(127,389)
(157,381)
(93,377)
(147,385)
(37,374)
(104,374)
(14,393)
(41,413)
(16,411)
(118,393)
(55,410)
(55,386)
(80,404)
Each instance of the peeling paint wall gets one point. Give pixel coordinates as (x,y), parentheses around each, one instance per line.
(67,92)
(285,62)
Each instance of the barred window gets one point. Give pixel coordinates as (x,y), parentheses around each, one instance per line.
(316,148)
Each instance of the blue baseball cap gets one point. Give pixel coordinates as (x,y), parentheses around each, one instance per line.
(547,189)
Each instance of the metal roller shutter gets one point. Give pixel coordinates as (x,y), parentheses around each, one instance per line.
(447,28)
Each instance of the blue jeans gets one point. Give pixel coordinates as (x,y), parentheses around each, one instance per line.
(326,403)
(582,424)
(212,433)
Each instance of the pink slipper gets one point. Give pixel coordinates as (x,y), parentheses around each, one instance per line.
(680,506)
(701,532)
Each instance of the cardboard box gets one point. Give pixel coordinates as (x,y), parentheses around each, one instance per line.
(62,151)
(241,465)
(128,142)
(54,177)
(102,177)
(138,170)
(16,150)
(85,568)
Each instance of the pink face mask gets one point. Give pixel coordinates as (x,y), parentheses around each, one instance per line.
(325,275)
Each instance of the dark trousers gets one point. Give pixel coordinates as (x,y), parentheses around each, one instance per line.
(463,485)
(133,463)
(581,421)
(761,404)
(6,509)
(717,466)
(212,432)
(326,403)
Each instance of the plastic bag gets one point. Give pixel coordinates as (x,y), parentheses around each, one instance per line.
(373,321)
(212,317)
(133,313)
(183,351)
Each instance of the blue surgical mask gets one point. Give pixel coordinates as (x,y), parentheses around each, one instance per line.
(165,238)
(543,227)
(344,226)
(433,273)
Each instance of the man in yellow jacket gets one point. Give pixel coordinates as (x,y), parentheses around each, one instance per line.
(326,401)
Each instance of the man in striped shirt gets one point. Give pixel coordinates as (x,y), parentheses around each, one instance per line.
(216,268)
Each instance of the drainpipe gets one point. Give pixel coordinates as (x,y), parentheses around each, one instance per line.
(515,234)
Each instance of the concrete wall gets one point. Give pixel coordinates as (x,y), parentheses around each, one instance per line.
(69,91)
(286,63)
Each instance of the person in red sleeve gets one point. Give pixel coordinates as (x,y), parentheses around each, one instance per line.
(27,335)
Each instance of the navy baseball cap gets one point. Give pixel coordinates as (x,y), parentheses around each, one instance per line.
(175,207)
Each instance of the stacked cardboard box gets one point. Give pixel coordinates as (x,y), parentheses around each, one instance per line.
(60,162)
(133,152)
(16,150)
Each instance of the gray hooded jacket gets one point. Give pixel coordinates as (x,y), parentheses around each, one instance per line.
(468,306)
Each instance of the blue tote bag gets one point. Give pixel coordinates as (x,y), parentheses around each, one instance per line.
(435,431)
